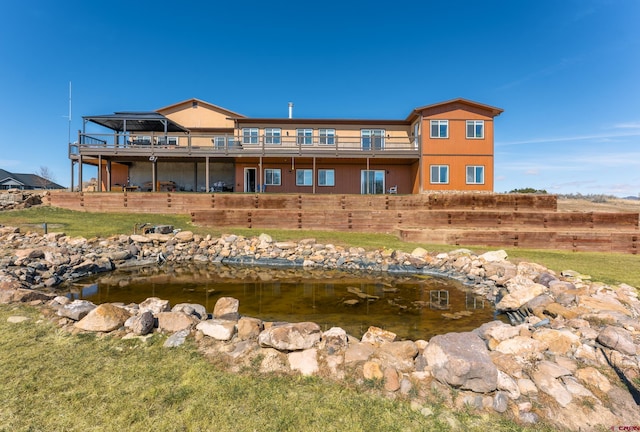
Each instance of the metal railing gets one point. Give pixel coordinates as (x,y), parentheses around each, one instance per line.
(227,144)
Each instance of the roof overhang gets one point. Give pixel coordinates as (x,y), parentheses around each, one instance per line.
(136,122)
(488,110)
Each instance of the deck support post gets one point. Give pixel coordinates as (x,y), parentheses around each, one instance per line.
(80,172)
(99,186)
(206,173)
(108,168)
(154,175)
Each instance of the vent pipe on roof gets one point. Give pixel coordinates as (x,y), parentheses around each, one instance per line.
(290,109)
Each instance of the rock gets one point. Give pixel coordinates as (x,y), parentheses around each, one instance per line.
(194,309)
(22,295)
(76,310)
(177,339)
(521,346)
(558,341)
(500,402)
(553,387)
(172,322)
(16,319)
(335,340)
(184,236)
(226,307)
(273,361)
(527,387)
(521,291)
(376,336)
(391,379)
(494,256)
(594,378)
(462,360)
(218,329)
(358,352)
(141,324)
(137,238)
(104,318)
(291,337)
(155,305)
(508,385)
(372,371)
(500,272)
(618,339)
(249,328)
(305,361)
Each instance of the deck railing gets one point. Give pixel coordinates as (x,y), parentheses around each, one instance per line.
(232,145)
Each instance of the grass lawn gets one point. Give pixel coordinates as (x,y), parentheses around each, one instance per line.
(53,381)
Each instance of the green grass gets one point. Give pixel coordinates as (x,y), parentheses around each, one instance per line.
(605,267)
(54,381)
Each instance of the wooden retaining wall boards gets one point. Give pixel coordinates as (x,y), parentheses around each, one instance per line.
(496,220)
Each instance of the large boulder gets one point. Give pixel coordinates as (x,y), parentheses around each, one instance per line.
(618,339)
(226,308)
(76,310)
(462,360)
(218,329)
(104,318)
(172,322)
(291,337)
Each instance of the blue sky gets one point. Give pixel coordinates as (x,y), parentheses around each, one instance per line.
(566,72)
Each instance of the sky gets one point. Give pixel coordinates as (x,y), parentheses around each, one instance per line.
(566,73)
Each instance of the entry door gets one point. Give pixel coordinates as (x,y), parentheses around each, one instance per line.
(372,182)
(250,179)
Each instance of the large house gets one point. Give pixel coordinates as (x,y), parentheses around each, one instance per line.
(9,180)
(197,146)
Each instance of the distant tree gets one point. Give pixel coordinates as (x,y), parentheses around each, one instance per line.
(46,177)
(528,190)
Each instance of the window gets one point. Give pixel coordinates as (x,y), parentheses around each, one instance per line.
(326,177)
(327,136)
(439,128)
(305,136)
(219,142)
(475,128)
(416,135)
(167,140)
(272,135)
(272,177)
(439,174)
(304,177)
(249,135)
(475,174)
(372,138)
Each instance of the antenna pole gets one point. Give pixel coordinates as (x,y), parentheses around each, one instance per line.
(69,132)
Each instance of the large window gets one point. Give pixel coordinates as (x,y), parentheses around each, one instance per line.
(249,135)
(475,174)
(439,128)
(304,177)
(327,136)
(326,177)
(439,174)
(475,128)
(305,136)
(272,135)
(372,139)
(272,177)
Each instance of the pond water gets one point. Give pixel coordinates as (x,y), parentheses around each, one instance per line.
(414,307)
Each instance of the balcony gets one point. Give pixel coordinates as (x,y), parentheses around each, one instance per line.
(185,145)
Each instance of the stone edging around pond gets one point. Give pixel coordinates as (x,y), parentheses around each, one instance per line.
(573,362)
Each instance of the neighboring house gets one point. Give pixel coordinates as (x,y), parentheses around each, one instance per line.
(197,146)
(10,180)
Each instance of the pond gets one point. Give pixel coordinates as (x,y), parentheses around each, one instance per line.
(414,307)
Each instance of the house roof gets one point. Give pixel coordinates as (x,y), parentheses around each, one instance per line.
(191,101)
(29,181)
(491,110)
(294,121)
(136,122)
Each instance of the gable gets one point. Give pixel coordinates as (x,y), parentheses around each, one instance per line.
(195,114)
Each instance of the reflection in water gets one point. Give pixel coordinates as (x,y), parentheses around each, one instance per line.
(413,307)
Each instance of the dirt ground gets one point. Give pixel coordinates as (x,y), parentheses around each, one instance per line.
(611,205)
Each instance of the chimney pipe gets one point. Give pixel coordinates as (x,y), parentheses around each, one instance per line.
(290,109)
